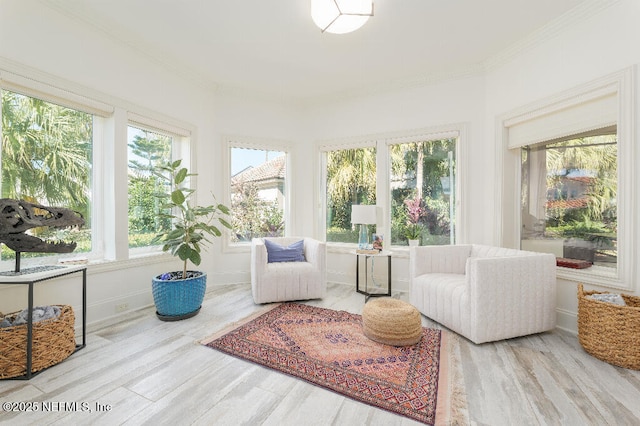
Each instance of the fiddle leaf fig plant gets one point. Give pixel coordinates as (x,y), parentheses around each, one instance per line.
(191,225)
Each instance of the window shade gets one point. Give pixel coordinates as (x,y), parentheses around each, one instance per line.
(36,89)
(582,116)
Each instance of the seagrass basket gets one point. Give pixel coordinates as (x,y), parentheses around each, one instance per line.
(53,341)
(610,332)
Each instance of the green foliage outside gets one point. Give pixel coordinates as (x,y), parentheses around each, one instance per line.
(254,217)
(47,159)
(596,221)
(351,179)
(146,217)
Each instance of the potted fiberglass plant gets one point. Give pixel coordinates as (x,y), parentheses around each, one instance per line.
(179,294)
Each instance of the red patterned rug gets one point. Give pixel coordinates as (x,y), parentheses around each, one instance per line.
(328,348)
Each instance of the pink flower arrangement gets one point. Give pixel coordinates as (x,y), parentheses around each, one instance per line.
(415,211)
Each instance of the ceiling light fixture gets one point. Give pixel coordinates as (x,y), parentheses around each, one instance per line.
(341,16)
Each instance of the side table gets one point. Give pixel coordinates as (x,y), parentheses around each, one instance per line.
(39,274)
(371,257)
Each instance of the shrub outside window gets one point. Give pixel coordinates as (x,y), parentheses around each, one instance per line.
(147,150)
(258,193)
(351,179)
(423,192)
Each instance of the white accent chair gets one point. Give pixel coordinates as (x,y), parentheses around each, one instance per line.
(484,293)
(286,281)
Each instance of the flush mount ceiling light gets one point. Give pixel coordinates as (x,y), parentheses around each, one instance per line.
(341,16)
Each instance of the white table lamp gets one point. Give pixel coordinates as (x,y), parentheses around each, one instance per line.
(363,215)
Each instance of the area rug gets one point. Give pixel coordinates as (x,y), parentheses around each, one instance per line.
(328,348)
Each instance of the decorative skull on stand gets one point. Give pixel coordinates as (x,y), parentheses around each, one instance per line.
(19,216)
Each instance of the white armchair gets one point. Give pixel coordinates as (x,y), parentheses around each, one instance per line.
(284,281)
(484,293)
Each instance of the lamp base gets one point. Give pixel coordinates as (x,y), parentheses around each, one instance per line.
(363,240)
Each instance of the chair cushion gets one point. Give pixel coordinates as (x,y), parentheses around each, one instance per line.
(277,253)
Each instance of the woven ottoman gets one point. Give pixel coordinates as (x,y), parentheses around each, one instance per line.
(391,322)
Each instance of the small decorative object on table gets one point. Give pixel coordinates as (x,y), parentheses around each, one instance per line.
(610,331)
(573,263)
(378,242)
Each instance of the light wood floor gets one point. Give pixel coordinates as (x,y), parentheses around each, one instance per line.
(154,372)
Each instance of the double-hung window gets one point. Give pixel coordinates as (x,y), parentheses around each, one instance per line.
(422,186)
(411,178)
(257,189)
(48,159)
(350,180)
(146,151)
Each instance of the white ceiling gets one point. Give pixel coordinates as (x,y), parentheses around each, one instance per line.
(273,47)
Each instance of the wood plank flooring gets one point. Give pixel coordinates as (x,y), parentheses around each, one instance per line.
(154,372)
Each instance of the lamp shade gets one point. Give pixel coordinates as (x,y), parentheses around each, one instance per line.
(341,16)
(364,214)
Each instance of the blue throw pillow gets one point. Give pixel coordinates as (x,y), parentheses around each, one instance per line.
(278,253)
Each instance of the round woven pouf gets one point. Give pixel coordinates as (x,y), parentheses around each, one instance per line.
(391,322)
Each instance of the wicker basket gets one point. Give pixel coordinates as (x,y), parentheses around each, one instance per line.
(610,332)
(53,341)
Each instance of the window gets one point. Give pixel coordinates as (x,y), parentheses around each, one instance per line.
(350,179)
(569,198)
(567,173)
(147,150)
(62,149)
(47,158)
(258,193)
(422,186)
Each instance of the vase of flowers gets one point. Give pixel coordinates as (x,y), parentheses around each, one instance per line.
(415,211)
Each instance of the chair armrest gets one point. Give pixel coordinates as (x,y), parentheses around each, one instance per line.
(438,259)
(258,257)
(520,281)
(315,252)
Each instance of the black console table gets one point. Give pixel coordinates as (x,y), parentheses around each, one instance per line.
(31,276)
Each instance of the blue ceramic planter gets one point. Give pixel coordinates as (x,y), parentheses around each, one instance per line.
(178,299)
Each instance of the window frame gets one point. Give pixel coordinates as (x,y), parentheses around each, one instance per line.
(25,87)
(264,144)
(180,147)
(382,144)
(508,174)
(323,150)
(425,137)
(111,118)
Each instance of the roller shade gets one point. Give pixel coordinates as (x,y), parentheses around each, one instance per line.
(153,124)
(585,115)
(36,89)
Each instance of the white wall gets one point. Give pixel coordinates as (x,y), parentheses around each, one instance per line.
(577,54)
(74,55)
(41,43)
(385,114)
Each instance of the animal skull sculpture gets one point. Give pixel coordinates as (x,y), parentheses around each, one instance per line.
(19,216)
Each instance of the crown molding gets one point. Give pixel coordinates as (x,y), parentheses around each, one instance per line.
(126,38)
(585,10)
(550,30)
